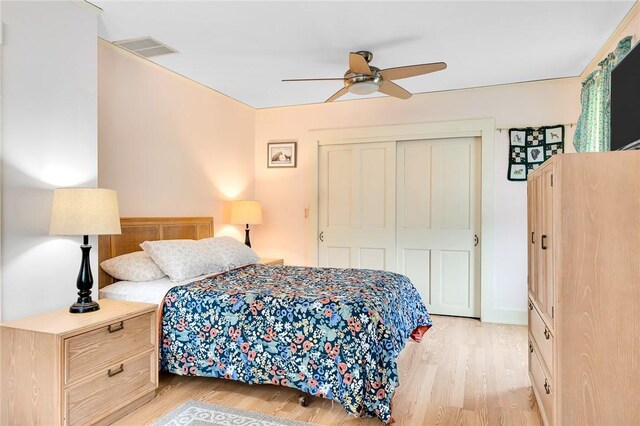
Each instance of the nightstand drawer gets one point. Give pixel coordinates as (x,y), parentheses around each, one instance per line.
(116,385)
(91,351)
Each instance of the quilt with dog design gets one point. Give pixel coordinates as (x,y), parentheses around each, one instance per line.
(530,147)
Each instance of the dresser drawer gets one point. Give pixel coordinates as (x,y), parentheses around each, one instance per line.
(92,351)
(542,383)
(104,392)
(543,337)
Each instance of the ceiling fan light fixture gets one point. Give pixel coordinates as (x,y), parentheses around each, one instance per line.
(364,87)
(361,78)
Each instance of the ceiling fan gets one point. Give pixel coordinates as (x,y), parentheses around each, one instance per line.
(364,79)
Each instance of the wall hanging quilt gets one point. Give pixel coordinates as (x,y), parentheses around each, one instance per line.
(530,147)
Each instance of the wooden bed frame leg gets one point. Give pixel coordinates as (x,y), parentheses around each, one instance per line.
(303,400)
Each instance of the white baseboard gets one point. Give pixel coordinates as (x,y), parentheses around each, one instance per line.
(503,316)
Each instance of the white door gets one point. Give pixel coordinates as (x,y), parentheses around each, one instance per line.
(357,205)
(438,219)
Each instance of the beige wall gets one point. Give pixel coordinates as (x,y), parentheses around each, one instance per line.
(169,146)
(49,126)
(285,193)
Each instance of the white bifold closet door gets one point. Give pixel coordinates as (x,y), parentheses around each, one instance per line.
(357,206)
(438,222)
(409,207)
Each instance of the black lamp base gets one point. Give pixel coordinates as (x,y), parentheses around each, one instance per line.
(84,283)
(247,240)
(81,308)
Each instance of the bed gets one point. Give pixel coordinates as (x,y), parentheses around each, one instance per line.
(333,333)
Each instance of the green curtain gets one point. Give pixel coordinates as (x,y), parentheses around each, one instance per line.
(593,132)
(587,136)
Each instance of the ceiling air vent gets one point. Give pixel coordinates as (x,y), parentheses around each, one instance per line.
(145,46)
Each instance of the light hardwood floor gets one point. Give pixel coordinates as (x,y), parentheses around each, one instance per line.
(463,373)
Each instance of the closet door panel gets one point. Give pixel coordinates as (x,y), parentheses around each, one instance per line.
(438,222)
(416,265)
(357,206)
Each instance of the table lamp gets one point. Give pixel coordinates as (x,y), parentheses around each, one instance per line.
(84,211)
(246,212)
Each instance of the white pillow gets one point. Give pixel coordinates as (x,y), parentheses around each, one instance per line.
(136,266)
(183,259)
(231,252)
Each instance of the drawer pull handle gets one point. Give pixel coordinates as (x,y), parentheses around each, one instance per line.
(117,327)
(530,306)
(121,369)
(544,242)
(530,347)
(533,238)
(547,388)
(547,334)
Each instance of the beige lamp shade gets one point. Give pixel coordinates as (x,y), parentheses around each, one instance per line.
(246,212)
(84,211)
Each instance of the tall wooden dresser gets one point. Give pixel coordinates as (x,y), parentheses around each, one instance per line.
(584,288)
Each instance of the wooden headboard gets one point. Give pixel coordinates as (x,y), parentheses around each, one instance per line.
(136,230)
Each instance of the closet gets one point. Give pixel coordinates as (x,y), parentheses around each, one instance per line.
(584,288)
(411,207)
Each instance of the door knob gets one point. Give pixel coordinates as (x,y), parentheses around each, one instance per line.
(475,240)
(321,237)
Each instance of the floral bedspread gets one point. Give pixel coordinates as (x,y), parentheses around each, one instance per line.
(334,333)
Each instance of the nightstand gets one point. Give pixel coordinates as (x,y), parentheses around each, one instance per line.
(271,261)
(63,368)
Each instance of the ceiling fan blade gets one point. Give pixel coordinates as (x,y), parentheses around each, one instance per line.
(312,79)
(358,64)
(411,70)
(336,95)
(392,89)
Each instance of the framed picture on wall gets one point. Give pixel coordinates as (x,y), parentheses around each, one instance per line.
(282,154)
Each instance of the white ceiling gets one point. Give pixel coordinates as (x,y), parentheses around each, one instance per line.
(244,48)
